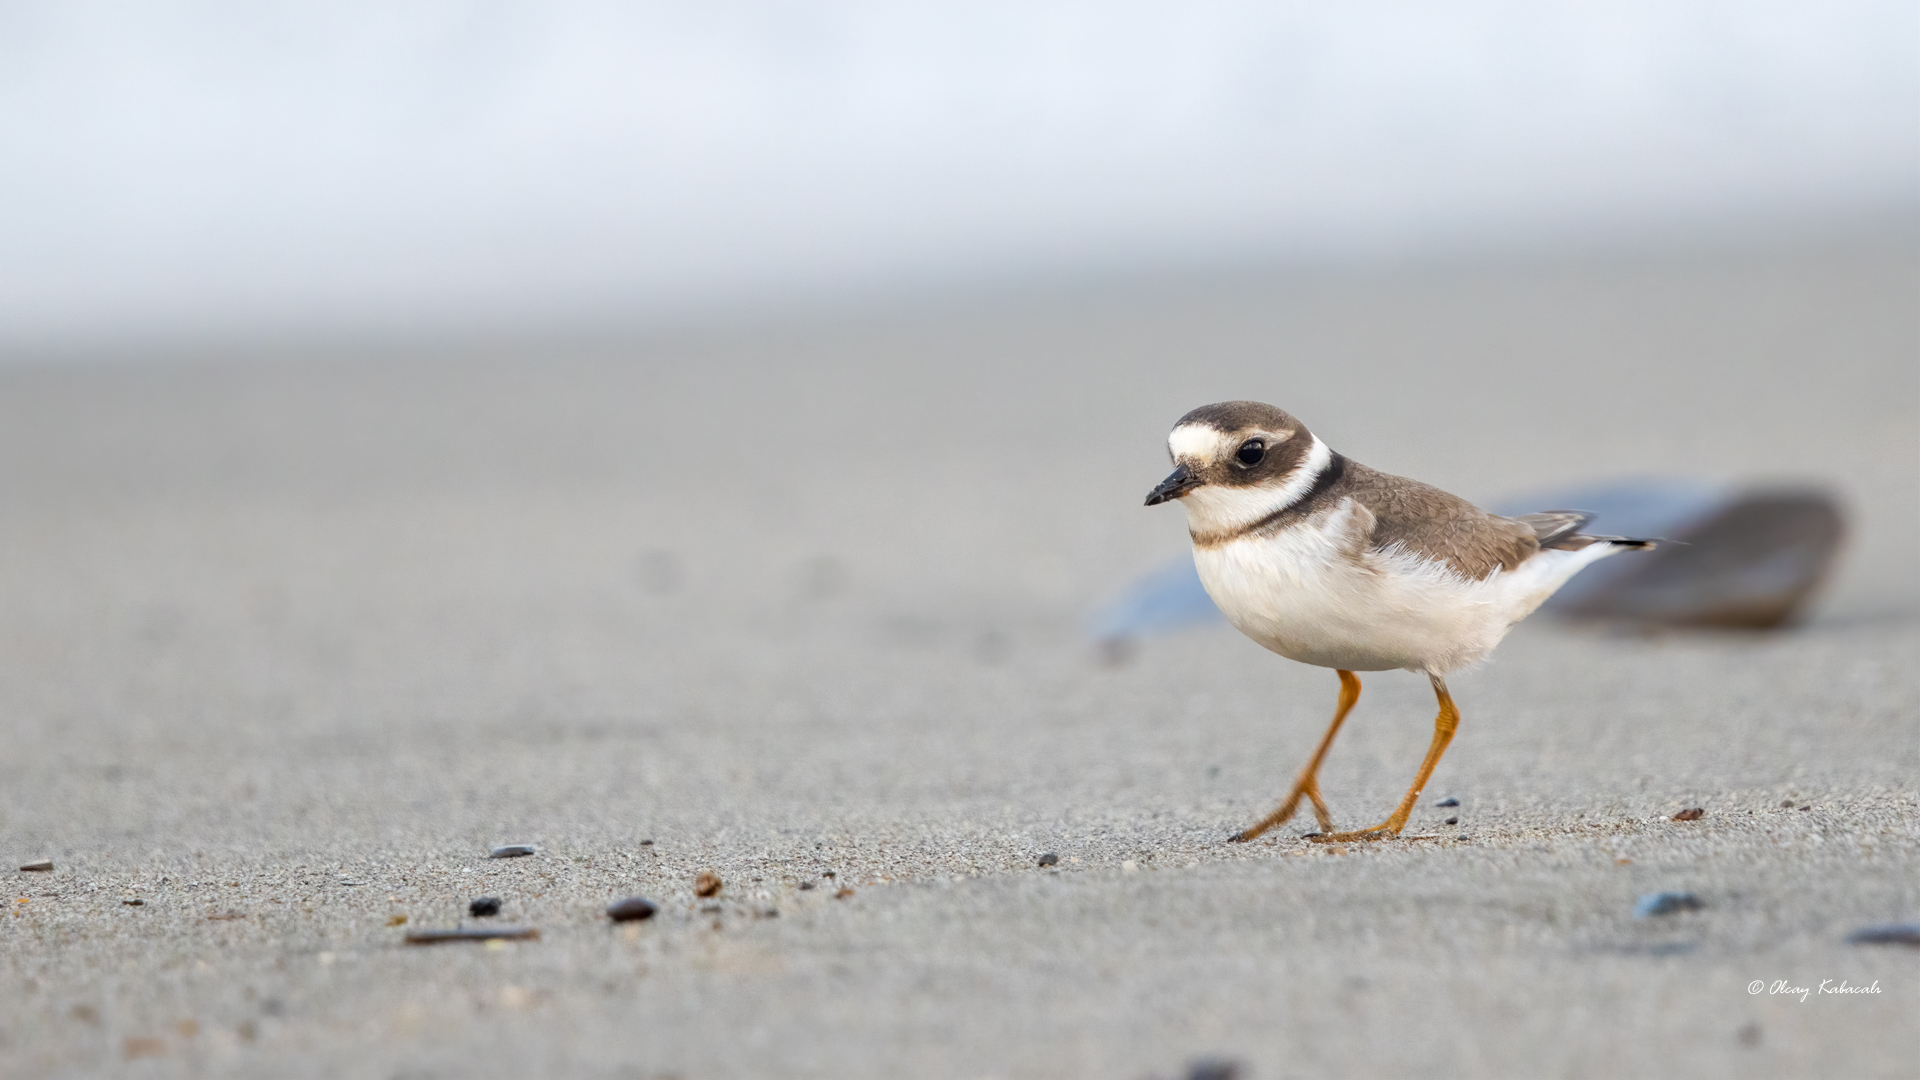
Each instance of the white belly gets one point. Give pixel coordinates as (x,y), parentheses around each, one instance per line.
(1312,594)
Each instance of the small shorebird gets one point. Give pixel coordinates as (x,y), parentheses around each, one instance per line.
(1328,562)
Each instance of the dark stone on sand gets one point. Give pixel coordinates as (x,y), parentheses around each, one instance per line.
(484,907)
(632,909)
(40,867)
(1692,813)
(806,885)
(1452,821)
(1049,859)
(1666,903)
(132,901)
(706,883)
(1448,801)
(1214,1069)
(511,851)
(1887,934)
(472,933)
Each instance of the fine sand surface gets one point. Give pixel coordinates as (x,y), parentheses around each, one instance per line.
(290,642)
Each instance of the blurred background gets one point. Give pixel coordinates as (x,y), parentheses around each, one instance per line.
(336,315)
(762,304)
(197,171)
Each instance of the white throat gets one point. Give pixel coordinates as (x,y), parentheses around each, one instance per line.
(1213,509)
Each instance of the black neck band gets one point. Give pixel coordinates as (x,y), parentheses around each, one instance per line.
(1329,476)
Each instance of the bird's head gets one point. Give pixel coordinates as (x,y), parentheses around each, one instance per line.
(1238,462)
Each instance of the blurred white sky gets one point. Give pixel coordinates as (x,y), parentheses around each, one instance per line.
(184,170)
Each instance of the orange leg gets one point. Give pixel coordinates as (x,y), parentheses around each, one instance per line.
(1443,728)
(1309,782)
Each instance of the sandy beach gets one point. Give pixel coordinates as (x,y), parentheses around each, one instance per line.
(291,639)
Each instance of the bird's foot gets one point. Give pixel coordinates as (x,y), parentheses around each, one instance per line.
(1382,831)
(1307,787)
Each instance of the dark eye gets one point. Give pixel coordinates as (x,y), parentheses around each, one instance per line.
(1251,452)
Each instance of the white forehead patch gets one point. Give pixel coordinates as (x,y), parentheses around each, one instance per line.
(1195,442)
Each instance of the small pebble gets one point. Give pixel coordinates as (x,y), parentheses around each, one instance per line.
(1453,821)
(1213,1069)
(632,909)
(511,851)
(1463,836)
(806,885)
(485,907)
(1786,804)
(1693,813)
(646,843)
(1049,859)
(472,933)
(38,867)
(706,883)
(1666,903)
(139,1046)
(1448,801)
(1888,934)
(132,901)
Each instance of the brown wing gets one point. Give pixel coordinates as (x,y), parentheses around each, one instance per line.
(1424,520)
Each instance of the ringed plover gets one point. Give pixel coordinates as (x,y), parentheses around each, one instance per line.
(1325,561)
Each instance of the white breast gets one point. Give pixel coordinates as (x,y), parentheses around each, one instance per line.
(1313,592)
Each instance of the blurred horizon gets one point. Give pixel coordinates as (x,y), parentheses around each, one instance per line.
(187,172)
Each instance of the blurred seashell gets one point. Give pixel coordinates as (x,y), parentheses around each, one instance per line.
(1744,558)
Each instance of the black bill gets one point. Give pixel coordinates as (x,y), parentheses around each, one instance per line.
(1177,483)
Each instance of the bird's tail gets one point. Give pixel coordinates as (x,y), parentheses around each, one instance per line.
(1561,529)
